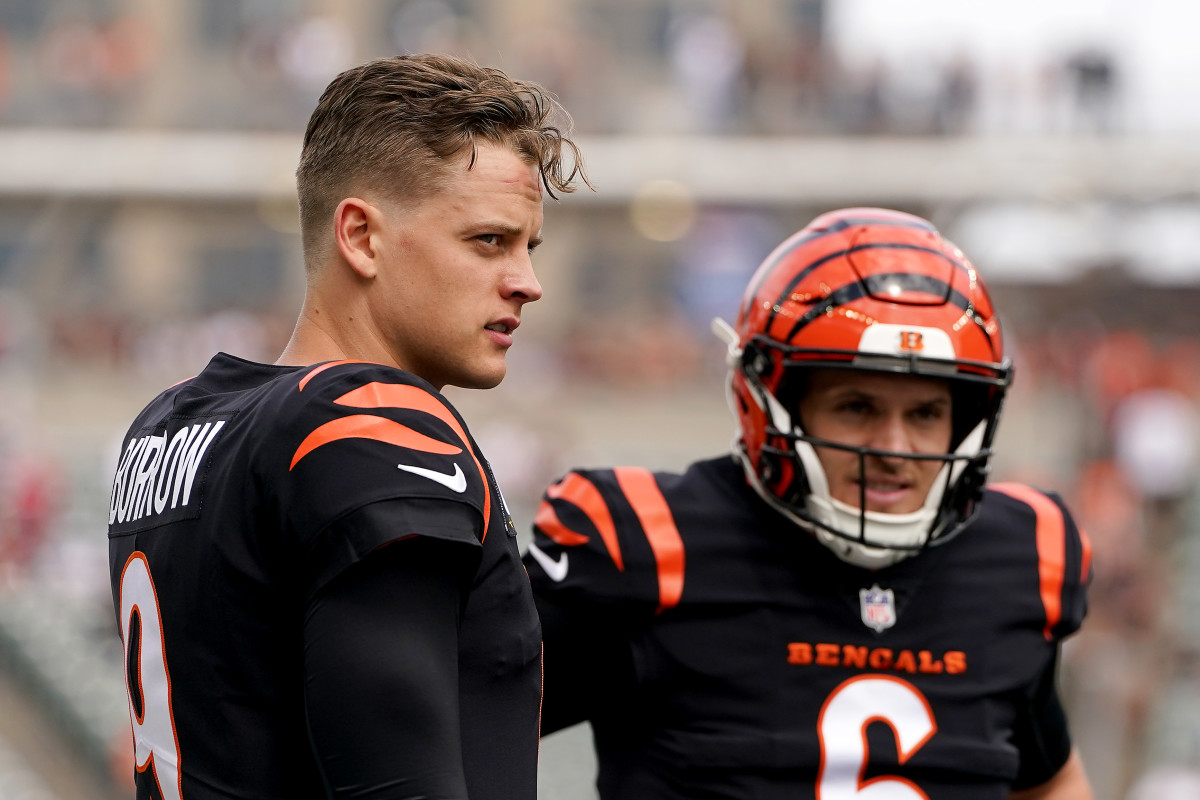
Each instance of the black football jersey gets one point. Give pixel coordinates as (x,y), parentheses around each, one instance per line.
(221,530)
(721,652)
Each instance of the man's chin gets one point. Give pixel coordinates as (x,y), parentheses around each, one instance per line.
(481,380)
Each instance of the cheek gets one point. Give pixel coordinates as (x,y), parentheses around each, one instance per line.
(933,440)
(821,425)
(930,468)
(839,465)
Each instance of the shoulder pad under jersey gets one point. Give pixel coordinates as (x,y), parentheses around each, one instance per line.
(349,434)
(1064,553)
(610,537)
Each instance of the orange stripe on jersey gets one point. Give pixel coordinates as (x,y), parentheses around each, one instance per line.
(549,524)
(366,426)
(401,395)
(655,515)
(1086,567)
(318,370)
(1051,546)
(583,493)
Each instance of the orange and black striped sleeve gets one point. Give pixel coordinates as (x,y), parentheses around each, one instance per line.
(364,455)
(1064,556)
(605,560)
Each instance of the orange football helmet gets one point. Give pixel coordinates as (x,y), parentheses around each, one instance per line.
(865,289)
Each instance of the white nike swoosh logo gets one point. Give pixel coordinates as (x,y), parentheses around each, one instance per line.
(455,482)
(557,570)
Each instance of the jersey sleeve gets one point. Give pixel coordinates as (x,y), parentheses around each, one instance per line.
(1064,573)
(1040,734)
(1064,557)
(604,561)
(598,540)
(1077,556)
(381,645)
(378,452)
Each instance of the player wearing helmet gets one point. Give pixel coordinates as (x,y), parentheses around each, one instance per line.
(842,609)
(876,292)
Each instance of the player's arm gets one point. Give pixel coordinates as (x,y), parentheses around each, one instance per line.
(381,672)
(591,585)
(1069,783)
(587,664)
(1050,767)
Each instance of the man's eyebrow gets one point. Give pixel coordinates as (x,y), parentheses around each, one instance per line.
(506,228)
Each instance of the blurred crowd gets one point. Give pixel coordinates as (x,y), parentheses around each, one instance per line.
(621,67)
(1103,409)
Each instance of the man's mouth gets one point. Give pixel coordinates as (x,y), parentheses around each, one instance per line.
(884,493)
(885,486)
(503,330)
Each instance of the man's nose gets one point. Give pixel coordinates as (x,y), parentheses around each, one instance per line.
(891,434)
(521,283)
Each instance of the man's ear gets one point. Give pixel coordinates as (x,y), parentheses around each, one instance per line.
(356,223)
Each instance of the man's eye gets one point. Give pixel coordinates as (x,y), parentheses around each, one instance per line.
(489,238)
(930,413)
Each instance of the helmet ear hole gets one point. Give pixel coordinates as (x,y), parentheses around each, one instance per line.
(792,388)
(796,492)
(968,406)
(768,468)
(757,362)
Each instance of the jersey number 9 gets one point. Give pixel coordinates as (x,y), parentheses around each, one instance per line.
(147,683)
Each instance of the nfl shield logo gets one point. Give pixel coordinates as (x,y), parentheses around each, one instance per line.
(878,607)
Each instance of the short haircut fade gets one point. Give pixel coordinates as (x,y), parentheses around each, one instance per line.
(393,124)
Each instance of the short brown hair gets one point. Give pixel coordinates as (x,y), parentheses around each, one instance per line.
(392,124)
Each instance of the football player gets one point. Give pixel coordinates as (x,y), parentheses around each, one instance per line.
(316,580)
(841,608)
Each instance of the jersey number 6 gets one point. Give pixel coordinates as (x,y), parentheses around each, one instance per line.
(842,727)
(147,684)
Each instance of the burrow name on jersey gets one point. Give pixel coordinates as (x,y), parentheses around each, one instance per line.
(157,474)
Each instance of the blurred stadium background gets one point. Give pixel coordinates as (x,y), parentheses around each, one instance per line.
(147,220)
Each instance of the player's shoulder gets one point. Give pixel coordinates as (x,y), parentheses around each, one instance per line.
(619,533)
(1035,525)
(1023,507)
(344,435)
(227,389)
(354,400)
(628,505)
(1025,513)
(601,511)
(355,395)
(702,485)
(357,385)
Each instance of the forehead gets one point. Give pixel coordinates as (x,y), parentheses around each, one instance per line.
(494,168)
(885,386)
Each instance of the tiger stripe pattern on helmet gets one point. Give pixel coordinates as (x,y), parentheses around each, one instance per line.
(867,289)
